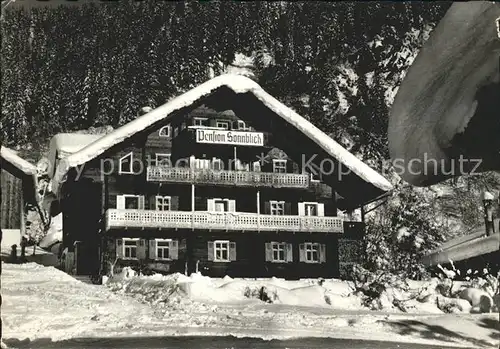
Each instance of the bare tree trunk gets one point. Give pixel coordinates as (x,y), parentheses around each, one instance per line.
(111,271)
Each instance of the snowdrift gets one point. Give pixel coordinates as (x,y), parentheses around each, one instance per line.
(421,297)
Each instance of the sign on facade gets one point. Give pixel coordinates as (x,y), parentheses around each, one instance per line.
(230,137)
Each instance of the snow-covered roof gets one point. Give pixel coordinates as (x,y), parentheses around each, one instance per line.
(64,144)
(12,158)
(238,84)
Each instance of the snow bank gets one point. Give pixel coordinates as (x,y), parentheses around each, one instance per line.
(33,294)
(55,233)
(332,294)
(421,297)
(10,237)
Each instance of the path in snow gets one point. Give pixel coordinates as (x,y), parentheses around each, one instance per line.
(43,302)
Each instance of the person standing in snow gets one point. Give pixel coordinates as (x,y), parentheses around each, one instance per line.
(489,213)
(24,243)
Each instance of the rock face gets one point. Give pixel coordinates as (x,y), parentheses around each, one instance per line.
(479,299)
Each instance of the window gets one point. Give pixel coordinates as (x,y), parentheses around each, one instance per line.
(279,166)
(277,208)
(163,203)
(311,209)
(241,125)
(130,248)
(200,121)
(221,251)
(165,131)
(131,202)
(126,164)
(278,251)
(176,131)
(217,164)
(221,205)
(163,160)
(256,166)
(312,252)
(222,124)
(163,249)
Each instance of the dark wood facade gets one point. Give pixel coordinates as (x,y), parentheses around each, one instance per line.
(17,192)
(276,221)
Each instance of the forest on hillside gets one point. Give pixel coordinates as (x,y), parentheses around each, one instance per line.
(77,67)
(336,63)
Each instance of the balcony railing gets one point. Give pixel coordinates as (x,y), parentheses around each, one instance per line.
(239,221)
(225,177)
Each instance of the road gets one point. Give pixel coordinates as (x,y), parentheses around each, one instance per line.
(215,342)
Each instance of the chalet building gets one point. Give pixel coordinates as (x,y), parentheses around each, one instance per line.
(18,190)
(224,180)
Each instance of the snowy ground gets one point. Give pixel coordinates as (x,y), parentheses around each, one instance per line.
(43,302)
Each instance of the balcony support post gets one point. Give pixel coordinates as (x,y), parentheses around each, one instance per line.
(192,206)
(258,210)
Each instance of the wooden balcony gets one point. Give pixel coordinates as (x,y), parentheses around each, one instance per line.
(225,177)
(234,221)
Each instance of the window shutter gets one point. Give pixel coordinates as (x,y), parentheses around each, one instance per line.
(174,250)
(141,249)
(153,202)
(267,207)
(119,248)
(232,251)
(232,205)
(321,210)
(288,208)
(302,209)
(289,253)
(141,202)
(210,205)
(152,249)
(120,201)
(174,203)
(322,253)
(302,253)
(210,246)
(269,252)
